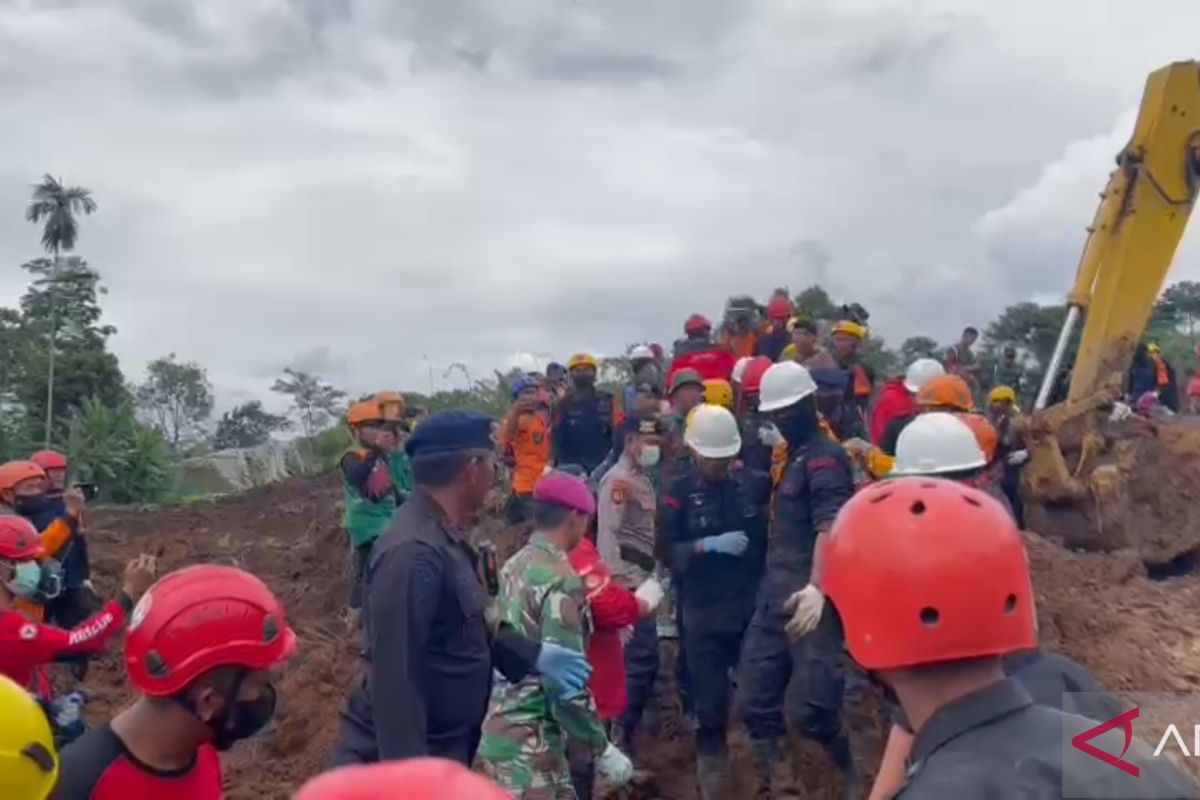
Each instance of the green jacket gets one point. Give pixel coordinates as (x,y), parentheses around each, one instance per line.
(371,498)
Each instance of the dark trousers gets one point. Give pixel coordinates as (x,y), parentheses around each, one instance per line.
(802,682)
(359,556)
(710,657)
(683,673)
(641,670)
(356,737)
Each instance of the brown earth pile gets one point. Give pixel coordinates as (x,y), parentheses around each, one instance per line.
(1133,633)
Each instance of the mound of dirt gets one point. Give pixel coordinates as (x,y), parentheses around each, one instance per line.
(1101,609)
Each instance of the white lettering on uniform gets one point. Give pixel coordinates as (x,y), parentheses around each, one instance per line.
(90,631)
(1173,731)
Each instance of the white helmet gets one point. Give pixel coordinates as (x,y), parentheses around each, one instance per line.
(935,444)
(739,369)
(641,353)
(921,372)
(783,385)
(713,432)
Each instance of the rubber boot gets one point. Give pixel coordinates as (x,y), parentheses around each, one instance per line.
(712,771)
(776,777)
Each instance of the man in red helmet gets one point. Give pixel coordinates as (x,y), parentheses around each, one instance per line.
(933,633)
(413,779)
(757,446)
(26,646)
(698,351)
(775,337)
(201,646)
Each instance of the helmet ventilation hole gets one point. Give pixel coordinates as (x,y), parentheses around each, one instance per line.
(972,501)
(917,508)
(155,665)
(1010,604)
(930,617)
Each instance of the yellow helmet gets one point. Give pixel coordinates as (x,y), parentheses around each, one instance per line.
(1002,394)
(1153,349)
(850,329)
(718,392)
(581,360)
(28,762)
(788,354)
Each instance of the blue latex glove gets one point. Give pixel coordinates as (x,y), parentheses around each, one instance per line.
(565,670)
(730,543)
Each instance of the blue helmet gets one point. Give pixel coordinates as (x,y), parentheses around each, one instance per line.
(521,384)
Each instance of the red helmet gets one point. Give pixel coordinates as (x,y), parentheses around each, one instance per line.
(15,472)
(199,618)
(413,779)
(753,375)
(923,571)
(697,323)
(780,308)
(49,459)
(18,539)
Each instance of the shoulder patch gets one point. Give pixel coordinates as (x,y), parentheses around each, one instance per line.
(618,492)
(28,632)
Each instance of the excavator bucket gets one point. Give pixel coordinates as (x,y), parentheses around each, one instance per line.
(1076,481)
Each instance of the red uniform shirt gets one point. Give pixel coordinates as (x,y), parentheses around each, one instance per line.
(613,607)
(98,766)
(894,401)
(26,646)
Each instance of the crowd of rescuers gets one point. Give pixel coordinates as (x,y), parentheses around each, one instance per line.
(759,497)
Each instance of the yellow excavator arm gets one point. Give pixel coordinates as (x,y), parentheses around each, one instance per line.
(1142,216)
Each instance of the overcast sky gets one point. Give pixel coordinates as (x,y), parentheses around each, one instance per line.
(348,185)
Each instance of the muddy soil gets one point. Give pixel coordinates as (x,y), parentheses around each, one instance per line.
(1132,632)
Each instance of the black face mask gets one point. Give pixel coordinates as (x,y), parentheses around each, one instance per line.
(241,720)
(800,424)
(27,506)
(583,382)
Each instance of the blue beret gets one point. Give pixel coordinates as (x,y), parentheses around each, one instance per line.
(830,377)
(450,432)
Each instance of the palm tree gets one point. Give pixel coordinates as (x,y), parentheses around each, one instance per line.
(55,206)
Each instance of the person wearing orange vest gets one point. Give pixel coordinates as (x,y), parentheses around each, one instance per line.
(776,336)
(1164,378)
(952,394)
(847,336)
(740,329)
(525,444)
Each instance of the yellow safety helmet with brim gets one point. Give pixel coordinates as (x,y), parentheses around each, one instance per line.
(28,761)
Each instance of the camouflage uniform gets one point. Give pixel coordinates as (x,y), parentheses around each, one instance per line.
(524,746)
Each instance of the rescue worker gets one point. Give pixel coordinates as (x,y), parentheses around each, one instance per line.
(525,734)
(625,537)
(556,378)
(756,453)
(1011,455)
(583,428)
(952,394)
(775,337)
(1165,384)
(687,392)
(27,646)
(28,760)
(613,608)
(525,444)
(1009,372)
(428,651)
(805,343)
(897,402)
(200,651)
(932,632)
(941,445)
(414,779)
(961,361)
(718,393)
(847,336)
(713,520)
(376,480)
(831,396)
(791,659)
(645,371)
(740,328)
(698,352)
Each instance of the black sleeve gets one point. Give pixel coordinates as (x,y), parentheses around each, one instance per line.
(830,483)
(83,763)
(670,546)
(356,468)
(891,434)
(514,655)
(405,591)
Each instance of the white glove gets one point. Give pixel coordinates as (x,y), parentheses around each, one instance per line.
(806,607)
(769,435)
(1017,457)
(649,595)
(625,635)
(1121,411)
(615,766)
(856,447)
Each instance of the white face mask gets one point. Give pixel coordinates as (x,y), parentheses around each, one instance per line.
(649,456)
(26,578)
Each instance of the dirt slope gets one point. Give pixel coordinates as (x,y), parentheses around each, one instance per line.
(1101,609)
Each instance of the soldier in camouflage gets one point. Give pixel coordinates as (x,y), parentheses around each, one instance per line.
(524,746)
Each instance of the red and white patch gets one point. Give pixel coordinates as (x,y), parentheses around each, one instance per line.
(28,632)
(618,493)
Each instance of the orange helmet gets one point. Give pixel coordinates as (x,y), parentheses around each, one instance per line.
(946,391)
(15,472)
(18,539)
(414,778)
(392,407)
(923,571)
(985,434)
(363,412)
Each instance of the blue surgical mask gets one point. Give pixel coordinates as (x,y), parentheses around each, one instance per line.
(26,579)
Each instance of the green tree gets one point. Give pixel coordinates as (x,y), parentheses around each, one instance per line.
(55,205)
(915,347)
(875,354)
(314,402)
(1177,310)
(247,425)
(177,396)
(128,461)
(815,303)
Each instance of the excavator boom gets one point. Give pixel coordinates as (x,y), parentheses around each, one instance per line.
(1142,216)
